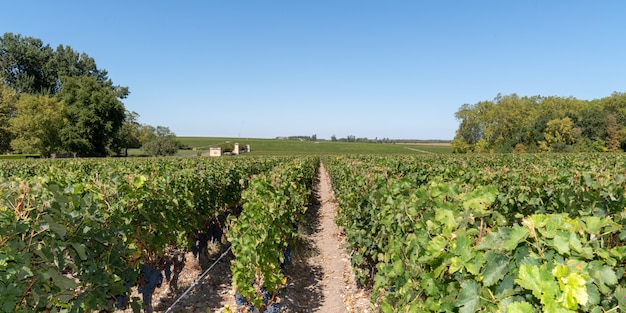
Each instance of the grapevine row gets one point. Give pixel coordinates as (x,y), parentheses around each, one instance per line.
(273,206)
(75,234)
(477,234)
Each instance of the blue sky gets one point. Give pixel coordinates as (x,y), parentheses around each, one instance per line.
(395,69)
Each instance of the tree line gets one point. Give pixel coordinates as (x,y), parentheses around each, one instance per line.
(59,101)
(515,123)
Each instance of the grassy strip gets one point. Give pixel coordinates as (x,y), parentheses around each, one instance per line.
(18,156)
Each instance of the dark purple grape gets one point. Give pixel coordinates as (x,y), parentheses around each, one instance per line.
(274,308)
(168,271)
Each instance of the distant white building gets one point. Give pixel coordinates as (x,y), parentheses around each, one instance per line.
(215,151)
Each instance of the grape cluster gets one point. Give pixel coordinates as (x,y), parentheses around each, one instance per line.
(214,231)
(121,301)
(243,305)
(200,244)
(167,270)
(150,278)
(287,255)
(242,302)
(273,308)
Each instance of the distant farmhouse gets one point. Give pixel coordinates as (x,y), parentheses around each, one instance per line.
(220,151)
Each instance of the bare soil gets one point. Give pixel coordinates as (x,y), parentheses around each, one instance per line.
(319,279)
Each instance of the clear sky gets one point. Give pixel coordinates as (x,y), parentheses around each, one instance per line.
(395,69)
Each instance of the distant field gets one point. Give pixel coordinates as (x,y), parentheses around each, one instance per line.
(295,147)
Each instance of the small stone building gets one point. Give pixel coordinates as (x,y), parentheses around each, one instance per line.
(215,151)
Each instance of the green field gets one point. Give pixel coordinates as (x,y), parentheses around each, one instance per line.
(296,147)
(278,147)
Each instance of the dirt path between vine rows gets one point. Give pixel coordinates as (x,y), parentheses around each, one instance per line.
(322,280)
(319,279)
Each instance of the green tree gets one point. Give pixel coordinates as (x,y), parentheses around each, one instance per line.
(593,122)
(67,62)
(36,124)
(614,135)
(94,113)
(538,123)
(23,62)
(163,142)
(558,135)
(8,98)
(470,128)
(128,135)
(460,146)
(29,66)
(146,133)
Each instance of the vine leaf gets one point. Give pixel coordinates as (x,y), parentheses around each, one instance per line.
(603,276)
(496,268)
(54,226)
(463,248)
(520,307)
(517,235)
(620,294)
(468,300)
(574,288)
(536,279)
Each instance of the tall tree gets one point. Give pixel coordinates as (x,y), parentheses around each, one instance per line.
(8,98)
(163,142)
(36,124)
(95,114)
(614,135)
(541,124)
(558,134)
(29,66)
(128,135)
(23,64)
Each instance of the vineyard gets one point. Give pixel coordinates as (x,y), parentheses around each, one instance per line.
(76,236)
(486,233)
(507,233)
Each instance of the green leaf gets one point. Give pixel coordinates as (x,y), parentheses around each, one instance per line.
(398,267)
(620,295)
(574,288)
(537,279)
(480,199)
(80,249)
(64,283)
(468,299)
(436,246)
(529,278)
(474,265)
(496,268)
(561,242)
(54,226)
(455,264)
(445,217)
(506,288)
(593,224)
(520,307)
(463,248)
(517,235)
(602,275)
(139,181)
(593,293)
(491,241)
(386,307)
